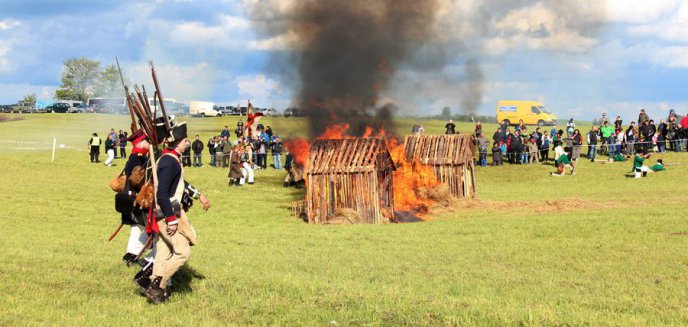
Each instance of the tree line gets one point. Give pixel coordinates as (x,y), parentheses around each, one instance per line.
(83,78)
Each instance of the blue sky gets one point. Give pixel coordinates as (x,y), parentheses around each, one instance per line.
(207,50)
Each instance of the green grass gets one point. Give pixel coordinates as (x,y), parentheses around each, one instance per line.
(591,249)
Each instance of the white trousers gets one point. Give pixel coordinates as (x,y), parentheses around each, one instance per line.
(137,239)
(111,156)
(246,170)
(639,173)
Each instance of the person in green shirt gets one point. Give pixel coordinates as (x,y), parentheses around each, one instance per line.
(606,131)
(659,166)
(561,163)
(639,169)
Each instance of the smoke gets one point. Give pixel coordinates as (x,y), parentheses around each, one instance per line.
(346,52)
(474,87)
(343,57)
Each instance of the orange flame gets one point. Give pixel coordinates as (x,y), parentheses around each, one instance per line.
(411,179)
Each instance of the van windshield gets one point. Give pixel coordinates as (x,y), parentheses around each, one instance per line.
(544,110)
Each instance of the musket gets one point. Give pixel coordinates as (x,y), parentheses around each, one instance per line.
(143,119)
(115,233)
(126,92)
(159,93)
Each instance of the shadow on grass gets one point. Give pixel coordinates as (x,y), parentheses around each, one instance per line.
(183,278)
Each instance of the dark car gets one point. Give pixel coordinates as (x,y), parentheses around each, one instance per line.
(60,108)
(293,112)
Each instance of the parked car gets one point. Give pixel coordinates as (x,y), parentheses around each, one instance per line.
(271,112)
(58,108)
(6,108)
(293,112)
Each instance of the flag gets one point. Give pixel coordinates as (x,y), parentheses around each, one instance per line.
(251,118)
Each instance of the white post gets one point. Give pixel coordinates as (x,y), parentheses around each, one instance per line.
(54,144)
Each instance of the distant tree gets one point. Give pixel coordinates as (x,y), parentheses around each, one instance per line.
(30,99)
(594,121)
(446,113)
(79,77)
(108,83)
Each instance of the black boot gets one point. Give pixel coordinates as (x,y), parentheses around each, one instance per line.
(286,184)
(129,259)
(142,278)
(155,293)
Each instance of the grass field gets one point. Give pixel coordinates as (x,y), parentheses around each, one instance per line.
(591,249)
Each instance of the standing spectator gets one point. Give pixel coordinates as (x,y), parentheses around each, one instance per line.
(276,146)
(94,143)
(269,132)
(483,143)
(544,147)
(672,130)
(186,157)
(421,129)
(478,128)
(123,145)
(496,155)
(218,151)
(450,127)
(577,143)
(651,133)
(592,144)
(570,127)
(618,123)
(225,133)
(603,119)
(110,150)
(661,136)
(262,151)
(197,147)
(642,117)
(414,130)
(211,150)
(226,151)
(521,127)
(498,136)
(606,132)
(645,134)
(239,131)
(533,151)
(631,135)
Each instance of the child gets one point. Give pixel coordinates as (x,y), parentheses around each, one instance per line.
(496,154)
(532,150)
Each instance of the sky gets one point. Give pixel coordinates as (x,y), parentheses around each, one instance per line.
(632,54)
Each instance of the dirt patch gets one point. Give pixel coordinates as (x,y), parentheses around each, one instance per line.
(539,207)
(8,118)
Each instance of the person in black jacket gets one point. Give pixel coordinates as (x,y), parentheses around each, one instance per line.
(211,150)
(197,147)
(450,127)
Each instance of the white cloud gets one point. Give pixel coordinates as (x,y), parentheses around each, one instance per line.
(640,11)
(257,87)
(8,24)
(538,27)
(223,35)
(182,83)
(673,27)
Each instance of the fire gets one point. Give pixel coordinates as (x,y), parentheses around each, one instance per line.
(411,179)
(411,182)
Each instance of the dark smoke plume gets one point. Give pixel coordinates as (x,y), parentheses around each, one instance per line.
(342,55)
(346,52)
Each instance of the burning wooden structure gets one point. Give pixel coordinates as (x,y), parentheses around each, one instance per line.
(355,173)
(451,158)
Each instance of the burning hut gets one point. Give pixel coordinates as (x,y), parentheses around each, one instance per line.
(353,174)
(451,158)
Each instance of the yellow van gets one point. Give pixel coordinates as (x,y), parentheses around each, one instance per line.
(532,113)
